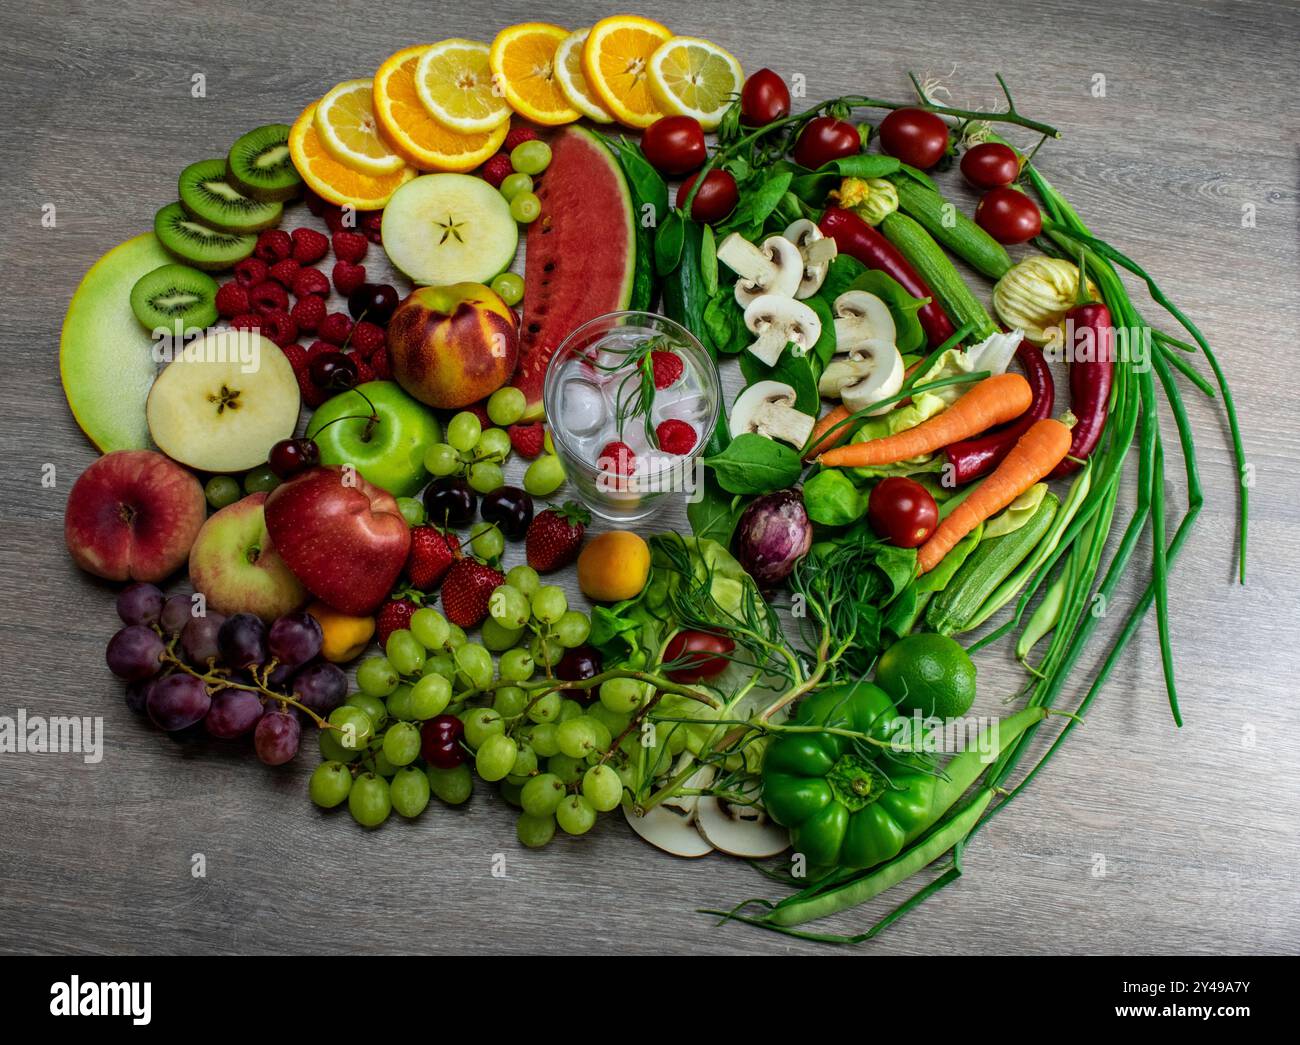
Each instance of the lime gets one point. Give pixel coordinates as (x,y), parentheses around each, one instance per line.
(929,673)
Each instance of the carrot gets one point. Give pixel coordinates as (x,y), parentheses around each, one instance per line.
(993,401)
(1035,454)
(825,424)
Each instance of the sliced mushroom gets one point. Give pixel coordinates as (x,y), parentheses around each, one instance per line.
(871,372)
(767,408)
(669,829)
(860,317)
(816,250)
(779,321)
(739,830)
(774,268)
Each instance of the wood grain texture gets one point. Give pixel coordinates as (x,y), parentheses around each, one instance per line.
(1198,827)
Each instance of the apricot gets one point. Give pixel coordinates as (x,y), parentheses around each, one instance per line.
(613,566)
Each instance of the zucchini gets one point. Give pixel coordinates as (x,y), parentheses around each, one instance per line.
(951,227)
(933,266)
(955,609)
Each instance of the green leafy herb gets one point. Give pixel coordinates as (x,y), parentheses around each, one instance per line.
(753,463)
(670,238)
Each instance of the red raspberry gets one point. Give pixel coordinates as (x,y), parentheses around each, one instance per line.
(480,411)
(269,297)
(315,203)
(279,327)
(379,364)
(372,225)
(676,437)
(496,170)
(366,338)
(312,394)
(246,321)
(250,272)
(348,277)
(336,328)
(309,313)
(528,440)
(364,371)
(317,347)
(309,246)
(333,217)
(283,272)
(617,457)
(668,367)
(517,136)
(350,246)
(296,354)
(310,281)
(232,299)
(273,245)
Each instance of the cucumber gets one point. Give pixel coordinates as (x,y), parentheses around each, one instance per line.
(954,609)
(933,266)
(951,227)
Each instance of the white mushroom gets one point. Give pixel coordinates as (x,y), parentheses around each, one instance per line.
(779,321)
(860,317)
(774,268)
(767,408)
(739,830)
(816,250)
(669,829)
(871,372)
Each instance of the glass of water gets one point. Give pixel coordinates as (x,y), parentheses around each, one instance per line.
(607,411)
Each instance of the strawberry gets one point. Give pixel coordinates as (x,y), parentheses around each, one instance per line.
(668,367)
(431,556)
(676,437)
(350,246)
(309,246)
(528,439)
(555,535)
(466,589)
(496,170)
(517,136)
(617,457)
(395,616)
(348,277)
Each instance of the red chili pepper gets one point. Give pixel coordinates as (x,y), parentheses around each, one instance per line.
(1092,371)
(971,458)
(857,239)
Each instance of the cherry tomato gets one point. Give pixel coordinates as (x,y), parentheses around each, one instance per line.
(1009,216)
(703,655)
(902,511)
(826,139)
(764,98)
(716,199)
(915,136)
(674,144)
(990,165)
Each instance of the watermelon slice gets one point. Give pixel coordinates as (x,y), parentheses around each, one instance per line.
(581,256)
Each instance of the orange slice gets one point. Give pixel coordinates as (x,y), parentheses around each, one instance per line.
(415,135)
(454,81)
(616,60)
(332,180)
(523,67)
(573,81)
(345,120)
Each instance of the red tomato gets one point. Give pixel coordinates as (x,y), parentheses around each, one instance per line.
(764,98)
(915,136)
(716,199)
(990,165)
(902,511)
(825,139)
(674,144)
(703,655)
(1009,216)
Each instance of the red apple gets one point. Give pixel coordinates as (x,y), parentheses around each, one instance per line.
(343,537)
(133,515)
(235,565)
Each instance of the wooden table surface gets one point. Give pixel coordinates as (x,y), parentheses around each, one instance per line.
(1194,829)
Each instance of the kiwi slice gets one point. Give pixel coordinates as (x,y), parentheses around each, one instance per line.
(175,296)
(211,199)
(201,245)
(259,164)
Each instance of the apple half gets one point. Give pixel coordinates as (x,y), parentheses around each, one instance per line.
(223,402)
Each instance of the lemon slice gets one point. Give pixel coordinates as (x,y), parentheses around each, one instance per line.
(523,65)
(616,59)
(573,81)
(692,77)
(454,82)
(346,123)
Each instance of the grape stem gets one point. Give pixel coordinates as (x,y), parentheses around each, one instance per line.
(216,680)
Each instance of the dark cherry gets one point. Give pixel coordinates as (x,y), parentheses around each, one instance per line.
(440,742)
(510,508)
(373,301)
(335,370)
(290,456)
(450,501)
(581,662)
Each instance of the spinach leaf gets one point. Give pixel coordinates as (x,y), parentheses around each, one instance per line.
(715,514)
(724,322)
(841,273)
(753,463)
(910,334)
(670,238)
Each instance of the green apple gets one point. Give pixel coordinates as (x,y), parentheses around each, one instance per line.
(235,565)
(381,432)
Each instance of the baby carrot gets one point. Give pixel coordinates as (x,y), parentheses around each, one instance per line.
(824,425)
